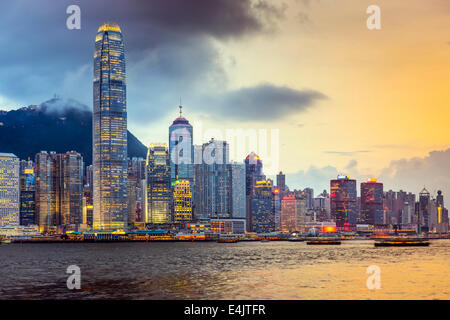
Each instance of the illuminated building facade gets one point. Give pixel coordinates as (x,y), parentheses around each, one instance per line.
(213,182)
(110,130)
(159,191)
(343,202)
(46,193)
(182,201)
(253,173)
(9,189)
(58,190)
(372,202)
(293,215)
(262,204)
(228,226)
(70,166)
(27,190)
(288,216)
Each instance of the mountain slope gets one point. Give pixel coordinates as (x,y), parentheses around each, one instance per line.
(55,125)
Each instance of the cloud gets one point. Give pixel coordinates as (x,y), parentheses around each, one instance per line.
(316,177)
(432,171)
(171,49)
(264,102)
(177,35)
(347,153)
(351,165)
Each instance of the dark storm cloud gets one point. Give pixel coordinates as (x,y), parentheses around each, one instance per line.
(264,102)
(169,52)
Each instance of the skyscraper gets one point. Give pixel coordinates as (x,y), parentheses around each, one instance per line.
(27,201)
(253,173)
(181,149)
(293,213)
(70,168)
(238,190)
(309,197)
(372,202)
(281,182)
(9,189)
(213,182)
(262,204)
(46,194)
(159,192)
(343,202)
(424,208)
(58,190)
(110,130)
(182,201)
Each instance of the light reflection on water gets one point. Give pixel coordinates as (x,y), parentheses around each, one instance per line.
(244,270)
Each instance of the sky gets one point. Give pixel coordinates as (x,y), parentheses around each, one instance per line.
(338,97)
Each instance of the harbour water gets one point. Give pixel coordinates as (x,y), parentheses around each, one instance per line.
(209,270)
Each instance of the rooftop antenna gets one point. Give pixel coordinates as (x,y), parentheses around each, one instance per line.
(181,108)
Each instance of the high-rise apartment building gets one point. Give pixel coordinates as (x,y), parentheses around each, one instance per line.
(9,189)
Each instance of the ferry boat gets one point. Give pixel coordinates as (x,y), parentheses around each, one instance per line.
(401,242)
(227,239)
(323,241)
(296,239)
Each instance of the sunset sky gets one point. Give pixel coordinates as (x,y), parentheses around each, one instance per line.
(344,98)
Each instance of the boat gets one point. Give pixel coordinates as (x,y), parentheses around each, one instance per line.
(265,240)
(227,239)
(401,242)
(296,239)
(6,241)
(324,241)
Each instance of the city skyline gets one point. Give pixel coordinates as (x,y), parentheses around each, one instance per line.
(377,135)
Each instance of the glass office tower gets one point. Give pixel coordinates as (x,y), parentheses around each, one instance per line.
(181,149)
(110,130)
(159,191)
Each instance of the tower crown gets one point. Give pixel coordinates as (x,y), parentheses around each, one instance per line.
(109,27)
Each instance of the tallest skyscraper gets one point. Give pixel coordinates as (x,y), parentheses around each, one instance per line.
(110,130)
